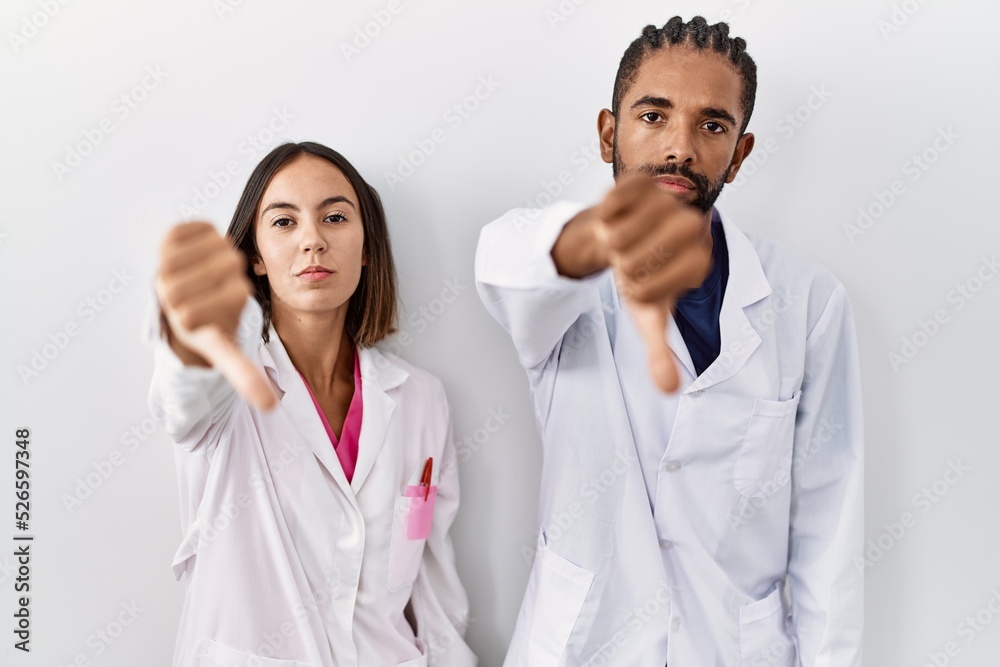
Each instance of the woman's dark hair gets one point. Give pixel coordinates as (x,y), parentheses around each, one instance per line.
(371,310)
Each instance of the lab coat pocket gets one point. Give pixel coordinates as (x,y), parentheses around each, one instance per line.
(765,460)
(557,589)
(416,662)
(411,525)
(763,637)
(214,654)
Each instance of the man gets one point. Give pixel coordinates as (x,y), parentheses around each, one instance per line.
(713,525)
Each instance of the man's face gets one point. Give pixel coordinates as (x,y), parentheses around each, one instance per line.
(678,122)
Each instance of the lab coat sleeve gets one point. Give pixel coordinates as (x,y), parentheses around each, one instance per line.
(191,402)
(518,282)
(827,505)
(438,601)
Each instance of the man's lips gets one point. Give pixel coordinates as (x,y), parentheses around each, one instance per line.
(675,183)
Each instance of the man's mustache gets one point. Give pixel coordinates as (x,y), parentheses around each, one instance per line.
(701,183)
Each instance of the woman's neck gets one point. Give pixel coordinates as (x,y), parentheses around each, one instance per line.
(317,345)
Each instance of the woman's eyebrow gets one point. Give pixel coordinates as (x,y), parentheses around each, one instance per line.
(335,200)
(326,202)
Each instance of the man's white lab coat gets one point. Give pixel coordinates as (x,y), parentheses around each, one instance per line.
(761,479)
(288,564)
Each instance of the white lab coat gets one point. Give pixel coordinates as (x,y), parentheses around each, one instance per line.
(288,564)
(761,479)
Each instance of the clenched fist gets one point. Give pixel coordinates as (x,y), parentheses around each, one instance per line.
(658,248)
(202,288)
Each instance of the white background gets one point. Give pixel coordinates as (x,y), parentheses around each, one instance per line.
(64,234)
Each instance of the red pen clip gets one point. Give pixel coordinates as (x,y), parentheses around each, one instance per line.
(425,478)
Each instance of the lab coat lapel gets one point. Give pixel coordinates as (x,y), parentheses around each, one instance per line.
(297,404)
(747,285)
(674,338)
(378,375)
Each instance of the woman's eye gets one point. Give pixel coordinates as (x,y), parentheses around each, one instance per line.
(336,217)
(280,220)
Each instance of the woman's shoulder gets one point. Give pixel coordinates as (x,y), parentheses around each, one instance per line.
(410,376)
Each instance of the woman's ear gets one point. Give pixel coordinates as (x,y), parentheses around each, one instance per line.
(258,267)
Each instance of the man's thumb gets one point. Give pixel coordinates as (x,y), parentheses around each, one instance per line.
(248,380)
(651,319)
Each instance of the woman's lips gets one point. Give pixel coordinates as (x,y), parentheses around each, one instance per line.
(313,276)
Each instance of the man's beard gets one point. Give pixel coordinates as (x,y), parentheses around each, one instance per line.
(706,191)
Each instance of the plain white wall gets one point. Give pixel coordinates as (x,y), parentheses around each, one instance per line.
(893,76)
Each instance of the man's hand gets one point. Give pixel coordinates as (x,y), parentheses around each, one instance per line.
(202,288)
(658,248)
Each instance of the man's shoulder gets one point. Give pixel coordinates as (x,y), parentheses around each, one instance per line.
(808,285)
(788,268)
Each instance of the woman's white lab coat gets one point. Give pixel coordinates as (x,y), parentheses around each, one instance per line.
(760,482)
(288,564)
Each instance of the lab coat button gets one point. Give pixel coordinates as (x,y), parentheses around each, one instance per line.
(673,466)
(666,544)
(675,625)
(696,393)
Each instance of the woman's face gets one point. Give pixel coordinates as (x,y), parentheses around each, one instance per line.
(309,217)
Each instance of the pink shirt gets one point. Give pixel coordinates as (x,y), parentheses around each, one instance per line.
(347,445)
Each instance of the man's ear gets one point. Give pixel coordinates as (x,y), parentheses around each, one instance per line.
(606,133)
(743,147)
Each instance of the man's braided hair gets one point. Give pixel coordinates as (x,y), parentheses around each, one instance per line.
(696,34)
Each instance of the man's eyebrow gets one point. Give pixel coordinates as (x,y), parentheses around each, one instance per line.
(654,101)
(664,103)
(322,204)
(719,114)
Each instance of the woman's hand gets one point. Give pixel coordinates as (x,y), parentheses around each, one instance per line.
(202,288)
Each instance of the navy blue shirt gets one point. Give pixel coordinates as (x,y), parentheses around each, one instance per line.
(697,312)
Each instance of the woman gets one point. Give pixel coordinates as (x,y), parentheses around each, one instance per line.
(316,499)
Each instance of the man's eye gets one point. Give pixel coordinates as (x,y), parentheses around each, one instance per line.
(721,128)
(646,116)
